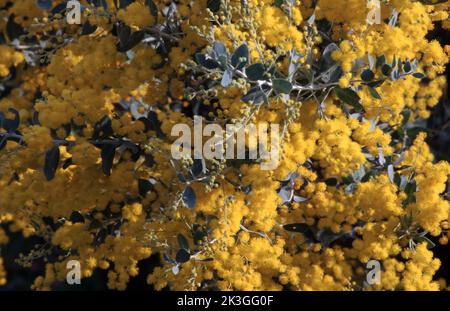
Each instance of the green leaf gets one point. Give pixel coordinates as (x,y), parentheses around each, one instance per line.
(102,129)
(376,83)
(128,40)
(332,182)
(183,242)
(240,57)
(255,72)
(398,179)
(223,60)
(182,256)
(380,61)
(144,186)
(406,115)
(349,96)
(123,32)
(153,8)
(213,5)
(206,62)
(394,62)
(367,75)
(418,75)
(282,85)
(88,29)
(107,154)
(219,48)
(407,66)
(198,167)
(410,190)
(386,69)
(8,124)
(359,174)
(395,75)
(278,3)
(255,95)
(189,197)
(51,162)
(13,29)
(374,92)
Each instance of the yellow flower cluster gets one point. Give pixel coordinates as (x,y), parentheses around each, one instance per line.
(136,14)
(10,58)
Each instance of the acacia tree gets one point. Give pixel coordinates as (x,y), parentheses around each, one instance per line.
(86,112)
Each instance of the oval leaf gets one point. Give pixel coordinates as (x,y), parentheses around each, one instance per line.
(367,75)
(255,95)
(51,162)
(227,78)
(208,63)
(255,72)
(108,152)
(374,93)
(182,256)
(189,197)
(349,96)
(240,57)
(183,242)
(282,86)
(219,48)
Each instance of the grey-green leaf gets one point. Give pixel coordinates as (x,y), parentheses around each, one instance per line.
(386,69)
(418,75)
(51,162)
(367,75)
(153,8)
(213,5)
(227,78)
(349,96)
(255,95)
(407,66)
(107,154)
(240,57)
(219,48)
(381,60)
(282,86)
(374,92)
(208,63)
(182,256)
(183,242)
(189,197)
(255,72)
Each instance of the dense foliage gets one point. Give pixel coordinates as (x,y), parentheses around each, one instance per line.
(86,113)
